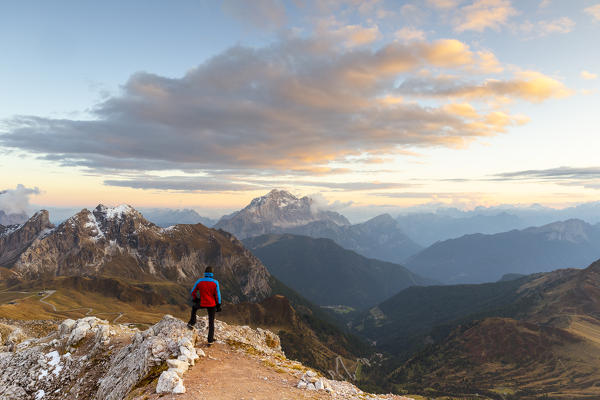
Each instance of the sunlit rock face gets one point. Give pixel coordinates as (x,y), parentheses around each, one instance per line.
(275,212)
(119,241)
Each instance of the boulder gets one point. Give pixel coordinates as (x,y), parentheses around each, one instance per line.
(319,385)
(65,328)
(178,366)
(170,382)
(14,338)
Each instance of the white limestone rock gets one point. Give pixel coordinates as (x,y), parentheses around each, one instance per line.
(66,327)
(16,337)
(84,326)
(319,385)
(149,349)
(189,355)
(178,366)
(170,382)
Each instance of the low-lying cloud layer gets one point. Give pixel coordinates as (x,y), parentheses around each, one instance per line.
(16,201)
(588,177)
(234,184)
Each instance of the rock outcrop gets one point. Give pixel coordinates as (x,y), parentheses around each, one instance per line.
(92,359)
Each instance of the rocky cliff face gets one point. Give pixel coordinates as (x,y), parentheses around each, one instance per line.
(120,242)
(275,212)
(14,239)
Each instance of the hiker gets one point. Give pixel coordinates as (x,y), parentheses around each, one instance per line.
(206,294)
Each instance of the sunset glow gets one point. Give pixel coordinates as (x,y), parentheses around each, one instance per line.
(366,103)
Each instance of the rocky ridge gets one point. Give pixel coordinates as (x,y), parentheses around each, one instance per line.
(15,239)
(92,359)
(120,242)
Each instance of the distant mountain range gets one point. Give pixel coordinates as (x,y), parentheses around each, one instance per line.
(536,334)
(486,258)
(329,275)
(165,217)
(428,227)
(380,237)
(281,212)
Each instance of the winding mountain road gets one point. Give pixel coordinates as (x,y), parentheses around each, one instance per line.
(48,293)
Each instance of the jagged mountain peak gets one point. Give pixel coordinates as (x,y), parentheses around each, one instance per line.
(14,239)
(280,199)
(40,218)
(278,209)
(109,221)
(119,211)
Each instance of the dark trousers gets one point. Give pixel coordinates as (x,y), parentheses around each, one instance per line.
(211,319)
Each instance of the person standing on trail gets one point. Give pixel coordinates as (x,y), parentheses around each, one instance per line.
(206,294)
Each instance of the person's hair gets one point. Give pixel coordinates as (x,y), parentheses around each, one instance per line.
(208,269)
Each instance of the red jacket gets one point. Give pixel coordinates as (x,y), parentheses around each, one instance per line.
(207,291)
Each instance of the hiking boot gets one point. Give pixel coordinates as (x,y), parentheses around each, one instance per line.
(190,326)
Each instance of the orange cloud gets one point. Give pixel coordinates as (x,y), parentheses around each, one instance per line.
(536,87)
(594,11)
(483,14)
(465,110)
(532,86)
(443,4)
(588,75)
(408,34)
(545,28)
(294,105)
(488,63)
(357,35)
(448,53)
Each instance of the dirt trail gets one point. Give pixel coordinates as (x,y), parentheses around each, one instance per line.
(226,374)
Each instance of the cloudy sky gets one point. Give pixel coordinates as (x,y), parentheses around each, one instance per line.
(208,104)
